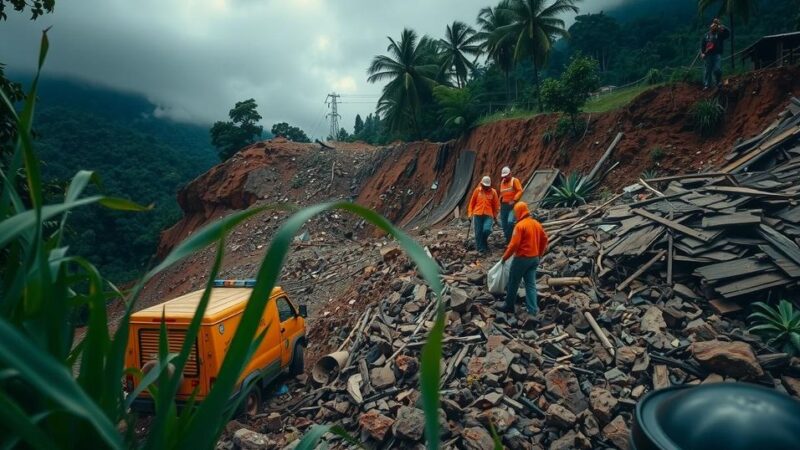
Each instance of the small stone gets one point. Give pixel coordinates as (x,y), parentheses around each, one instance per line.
(477,438)
(653,320)
(565,442)
(250,440)
(560,416)
(409,423)
(637,391)
(792,385)
(617,432)
(375,424)
(273,423)
(627,355)
(459,300)
(713,378)
(382,377)
(498,417)
(406,365)
(616,376)
(602,404)
(701,330)
(730,359)
(488,400)
(563,384)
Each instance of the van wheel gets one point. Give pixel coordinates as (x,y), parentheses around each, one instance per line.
(251,405)
(297,365)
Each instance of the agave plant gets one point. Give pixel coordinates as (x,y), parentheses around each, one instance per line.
(574,190)
(779,326)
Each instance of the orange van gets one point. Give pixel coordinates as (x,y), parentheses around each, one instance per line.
(281,350)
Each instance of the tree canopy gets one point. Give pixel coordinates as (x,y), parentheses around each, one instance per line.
(231,136)
(290,132)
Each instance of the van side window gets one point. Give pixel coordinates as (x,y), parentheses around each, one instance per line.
(285,311)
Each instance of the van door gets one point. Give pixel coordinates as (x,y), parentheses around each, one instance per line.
(287,317)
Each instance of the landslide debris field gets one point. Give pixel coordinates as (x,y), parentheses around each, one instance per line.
(644,288)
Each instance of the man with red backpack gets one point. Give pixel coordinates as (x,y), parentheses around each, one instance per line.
(711,51)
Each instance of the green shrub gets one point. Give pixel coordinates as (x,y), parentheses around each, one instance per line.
(657,154)
(707,116)
(654,76)
(683,75)
(547,136)
(57,393)
(574,190)
(779,326)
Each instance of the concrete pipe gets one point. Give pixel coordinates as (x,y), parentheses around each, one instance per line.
(329,366)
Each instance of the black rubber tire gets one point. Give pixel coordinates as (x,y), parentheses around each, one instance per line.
(297,365)
(251,404)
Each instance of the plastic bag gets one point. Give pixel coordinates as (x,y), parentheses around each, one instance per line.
(497,277)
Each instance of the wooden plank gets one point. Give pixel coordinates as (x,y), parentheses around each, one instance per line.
(660,377)
(641,270)
(706,200)
(703,236)
(604,157)
(725,307)
(781,242)
(791,214)
(753,284)
(638,242)
(750,266)
(748,191)
(763,148)
(784,263)
(726,220)
(538,185)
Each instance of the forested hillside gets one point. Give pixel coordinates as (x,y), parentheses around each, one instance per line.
(137,156)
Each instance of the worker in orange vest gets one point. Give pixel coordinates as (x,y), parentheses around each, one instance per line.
(510,193)
(484,206)
(528,244)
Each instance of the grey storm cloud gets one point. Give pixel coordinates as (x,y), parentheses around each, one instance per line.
(195,58)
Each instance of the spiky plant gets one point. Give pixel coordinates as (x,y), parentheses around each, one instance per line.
(779,326)
(707,116)
(574,190)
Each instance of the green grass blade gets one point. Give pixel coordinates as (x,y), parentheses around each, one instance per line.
(311,439)
(148,379)
(203,428)
(429,378)
(51,378)
(157,432)
(25,428)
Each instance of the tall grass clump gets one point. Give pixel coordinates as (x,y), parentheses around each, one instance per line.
(707,116)
(57,391)
(573,190)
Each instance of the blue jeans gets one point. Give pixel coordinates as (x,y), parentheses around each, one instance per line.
(713,74)
(483,228)
(507,220)
(523,269)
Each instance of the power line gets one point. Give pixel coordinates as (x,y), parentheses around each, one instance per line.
(334,114)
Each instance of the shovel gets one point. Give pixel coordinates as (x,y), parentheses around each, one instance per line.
(469,228)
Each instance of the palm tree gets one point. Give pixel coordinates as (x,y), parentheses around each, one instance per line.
(410,69)
(460,42)
(501,51)
(731,8)
(534,25)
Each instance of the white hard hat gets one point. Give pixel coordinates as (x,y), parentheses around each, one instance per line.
(505,172)
(486,181)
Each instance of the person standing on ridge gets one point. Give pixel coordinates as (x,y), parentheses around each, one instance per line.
(711,51)
(528,244)
(484,206)
(510,193)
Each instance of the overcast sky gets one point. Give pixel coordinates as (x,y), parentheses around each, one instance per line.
(196,58)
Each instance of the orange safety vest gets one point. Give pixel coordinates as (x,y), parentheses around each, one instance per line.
(484,203)
(511,190)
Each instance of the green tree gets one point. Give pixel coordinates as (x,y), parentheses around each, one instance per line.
(742,9)
(37,7)
(460,47)
(241,131)
(342,135)
(410,69)
(569,93)
(595,35)
(290,132)
(359,125)
(534,25)
(501,51)
(456,108)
